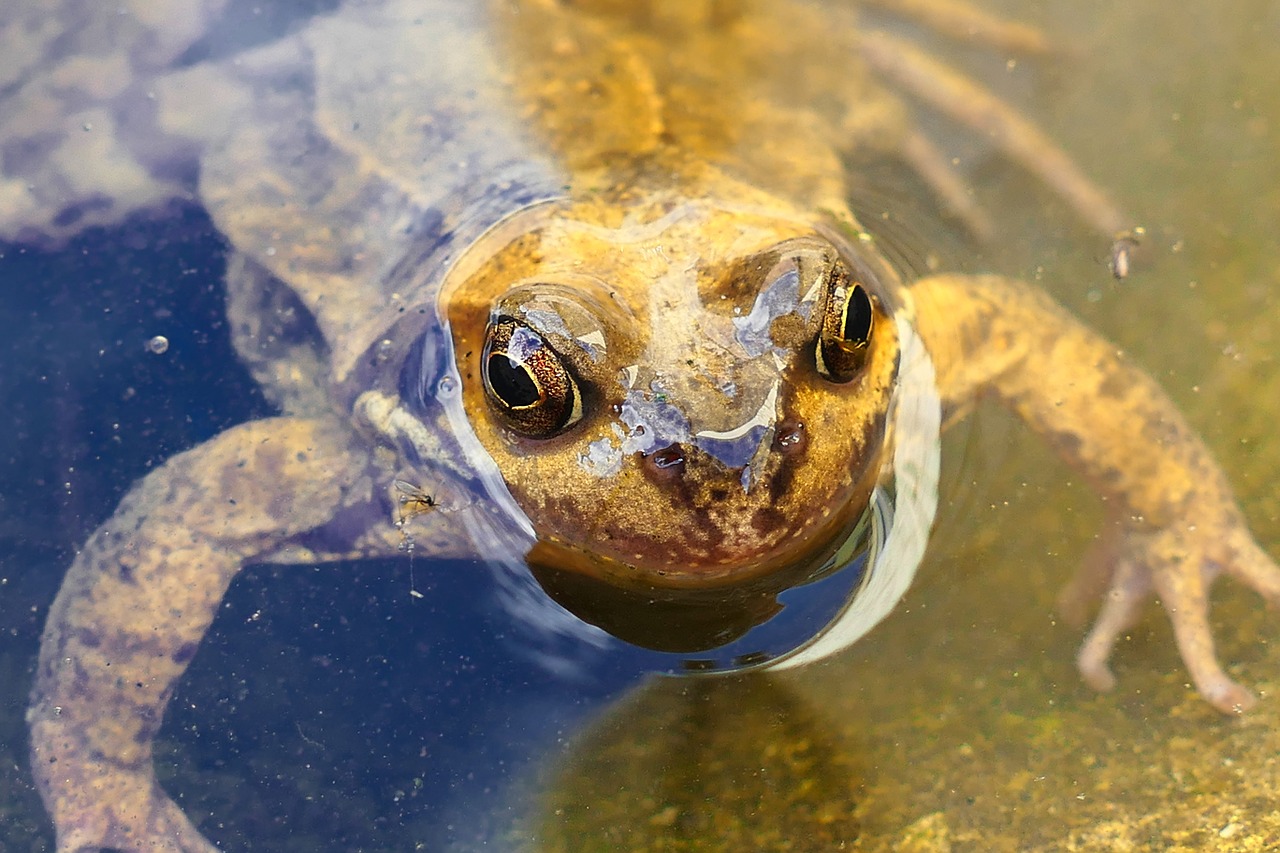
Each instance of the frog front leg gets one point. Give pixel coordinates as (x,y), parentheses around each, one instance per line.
(139,598)
(1173,523)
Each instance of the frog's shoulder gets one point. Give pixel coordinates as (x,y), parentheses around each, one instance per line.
(357,183)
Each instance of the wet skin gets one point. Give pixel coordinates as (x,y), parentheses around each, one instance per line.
(625,217)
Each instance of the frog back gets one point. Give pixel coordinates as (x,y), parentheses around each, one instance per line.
(366,153)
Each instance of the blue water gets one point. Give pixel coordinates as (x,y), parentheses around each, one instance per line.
(321,692)
(87,409)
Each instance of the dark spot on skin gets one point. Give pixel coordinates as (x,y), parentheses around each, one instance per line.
(705,534)
(26,153)
(780,482)
(1115,386)
(82,687)
(73,213)
(301,457)
(430,223)
(126,572)
(89,638)
(148,714)
(767,519)
(1163,434)
(1111,477)
(1068,444)
(184,654)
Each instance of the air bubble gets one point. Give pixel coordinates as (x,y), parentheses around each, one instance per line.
(158,345)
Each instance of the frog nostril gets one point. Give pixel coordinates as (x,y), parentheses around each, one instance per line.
(665,465)
(668,456)
(791,439)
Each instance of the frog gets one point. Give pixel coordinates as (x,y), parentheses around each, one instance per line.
(593,266)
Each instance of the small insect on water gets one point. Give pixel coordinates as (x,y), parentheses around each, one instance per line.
(413,503)
(1122,251)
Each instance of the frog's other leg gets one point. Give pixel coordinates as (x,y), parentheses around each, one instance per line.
(966,102)
(1177,524)
(931,165)
(276,338)
(877,121)
(136,603)
(1106,575)
(1097,571)
(964,22)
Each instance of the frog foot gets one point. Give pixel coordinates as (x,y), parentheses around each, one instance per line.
(135,816)
(97,804)
(1178,564)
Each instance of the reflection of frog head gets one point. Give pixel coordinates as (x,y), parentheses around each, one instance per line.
(684,397)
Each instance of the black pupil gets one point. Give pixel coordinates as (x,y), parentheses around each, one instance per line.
(857,316)
(511,381)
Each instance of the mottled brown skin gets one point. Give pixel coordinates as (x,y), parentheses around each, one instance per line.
(1172,522)
(669,279)
(230,501)
(649,110)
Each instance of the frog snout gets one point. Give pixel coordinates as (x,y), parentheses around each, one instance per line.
(742,447)
(665,466)
(737,449)
(738,460)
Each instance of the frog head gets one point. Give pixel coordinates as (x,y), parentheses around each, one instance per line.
(687,398)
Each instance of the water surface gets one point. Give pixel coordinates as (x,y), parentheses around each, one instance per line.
(329,710)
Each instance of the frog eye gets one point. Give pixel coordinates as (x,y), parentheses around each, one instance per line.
(526,382)
(847,321)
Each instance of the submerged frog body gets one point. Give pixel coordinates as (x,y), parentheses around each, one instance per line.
(592,264)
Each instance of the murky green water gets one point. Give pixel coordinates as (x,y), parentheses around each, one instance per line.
(960,723)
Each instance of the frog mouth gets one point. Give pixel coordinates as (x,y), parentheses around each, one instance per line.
(645,608)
